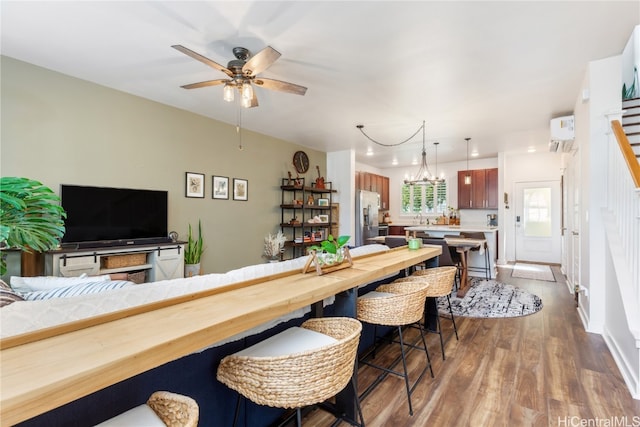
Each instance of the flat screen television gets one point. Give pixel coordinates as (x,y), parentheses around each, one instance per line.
(103,216)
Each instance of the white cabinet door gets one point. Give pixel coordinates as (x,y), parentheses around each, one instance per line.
(167,264)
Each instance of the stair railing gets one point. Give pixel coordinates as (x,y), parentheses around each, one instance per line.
(622,218)
(627,152)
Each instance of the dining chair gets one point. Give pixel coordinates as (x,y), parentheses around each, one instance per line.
(487,263)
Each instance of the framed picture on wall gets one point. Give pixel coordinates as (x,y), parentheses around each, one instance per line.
(220,187)
(194,185)
(240,189)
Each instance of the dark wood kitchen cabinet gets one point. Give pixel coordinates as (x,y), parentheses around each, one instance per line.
(482,193)
(377,183)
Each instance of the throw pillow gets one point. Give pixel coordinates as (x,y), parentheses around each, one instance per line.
(43,283)
(7,295)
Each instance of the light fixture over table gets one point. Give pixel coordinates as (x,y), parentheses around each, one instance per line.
(467,175)
(424,175)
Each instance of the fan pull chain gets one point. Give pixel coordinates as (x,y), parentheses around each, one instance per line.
(238,126)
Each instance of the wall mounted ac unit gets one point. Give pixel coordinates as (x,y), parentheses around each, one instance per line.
(562,134)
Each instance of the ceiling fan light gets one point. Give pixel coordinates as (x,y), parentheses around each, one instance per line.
(246,102)
(228,92)
(247,91)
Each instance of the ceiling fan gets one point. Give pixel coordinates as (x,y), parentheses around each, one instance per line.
(243,72)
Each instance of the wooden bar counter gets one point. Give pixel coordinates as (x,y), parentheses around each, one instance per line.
(66,363)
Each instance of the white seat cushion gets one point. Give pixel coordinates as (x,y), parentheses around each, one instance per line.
(376,294)
(290,341)
(140,416)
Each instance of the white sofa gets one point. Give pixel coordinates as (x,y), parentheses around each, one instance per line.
(26,316)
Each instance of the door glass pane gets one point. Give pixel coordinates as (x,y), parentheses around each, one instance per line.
(537,212)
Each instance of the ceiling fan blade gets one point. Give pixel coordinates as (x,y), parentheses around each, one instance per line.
(281,86)
(202,59)
(205,84)
(260,61)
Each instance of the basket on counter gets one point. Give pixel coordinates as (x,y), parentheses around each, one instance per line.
(125,260)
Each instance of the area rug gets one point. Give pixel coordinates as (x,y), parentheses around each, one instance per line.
(532,271)
(488,299)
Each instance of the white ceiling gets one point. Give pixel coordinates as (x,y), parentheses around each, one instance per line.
(493,71)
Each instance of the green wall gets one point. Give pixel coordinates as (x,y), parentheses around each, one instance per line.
(62,130)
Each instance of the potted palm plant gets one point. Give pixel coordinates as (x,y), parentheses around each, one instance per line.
(31,218)
(193,252)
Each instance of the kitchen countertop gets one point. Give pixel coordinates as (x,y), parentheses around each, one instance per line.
(452,228)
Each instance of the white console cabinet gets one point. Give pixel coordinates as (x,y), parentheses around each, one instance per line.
(160,261)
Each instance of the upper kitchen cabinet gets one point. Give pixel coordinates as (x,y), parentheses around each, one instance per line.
(482,193)
(377,183)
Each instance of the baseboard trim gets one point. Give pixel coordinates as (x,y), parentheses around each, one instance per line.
(624,366)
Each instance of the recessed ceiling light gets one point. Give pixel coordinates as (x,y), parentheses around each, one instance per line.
(474,153)
(531,150)
(394,162)
(369,152)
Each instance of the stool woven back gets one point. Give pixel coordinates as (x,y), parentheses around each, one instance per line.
(439,279)
(299,379)
(404,307)
(175,410)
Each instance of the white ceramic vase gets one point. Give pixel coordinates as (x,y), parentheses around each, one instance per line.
(191,270)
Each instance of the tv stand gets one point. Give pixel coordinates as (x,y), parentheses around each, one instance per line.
(159,261)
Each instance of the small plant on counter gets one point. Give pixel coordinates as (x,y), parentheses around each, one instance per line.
(274,245)
(330,251)
(195,247)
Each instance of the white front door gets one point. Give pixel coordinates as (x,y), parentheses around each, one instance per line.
(538,229)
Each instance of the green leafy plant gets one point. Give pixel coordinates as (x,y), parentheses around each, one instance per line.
(31,218)
(329,253)
(331,245)
(628,93)
(195,247)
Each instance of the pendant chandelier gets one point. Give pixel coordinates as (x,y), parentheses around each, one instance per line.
(467,173)
(424,175)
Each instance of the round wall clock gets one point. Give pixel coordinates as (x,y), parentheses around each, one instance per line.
(301,161)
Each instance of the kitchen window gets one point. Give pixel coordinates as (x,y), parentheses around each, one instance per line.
(427,198)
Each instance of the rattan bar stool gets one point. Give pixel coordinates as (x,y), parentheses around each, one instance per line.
(395,305)
(441,281)
(301,366)
(163,408)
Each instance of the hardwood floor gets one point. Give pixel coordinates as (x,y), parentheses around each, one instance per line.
(539,370)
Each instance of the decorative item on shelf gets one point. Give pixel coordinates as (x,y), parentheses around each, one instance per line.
(319,219)
(294,182)
(274,246)
(323,202)
(310,200)
(294,221)
(193,252)
(331,255)
(31,218)
(320,179)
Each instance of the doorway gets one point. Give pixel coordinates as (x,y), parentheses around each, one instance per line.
(537,222)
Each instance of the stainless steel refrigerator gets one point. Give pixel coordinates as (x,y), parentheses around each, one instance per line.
(366,216)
